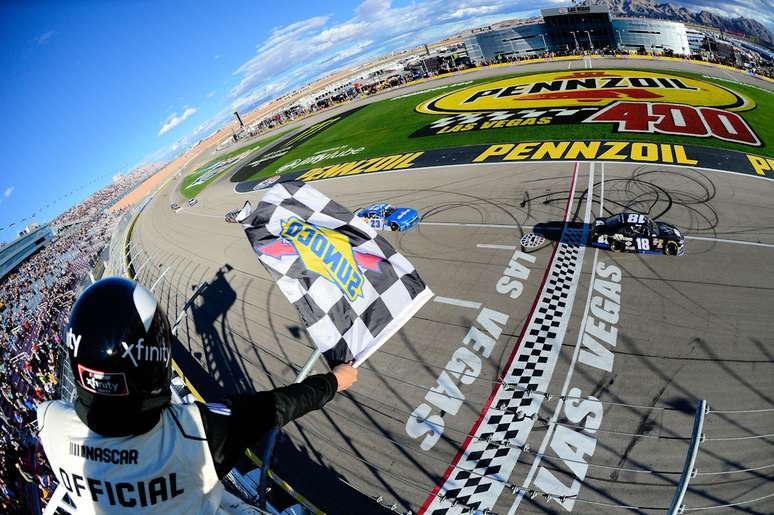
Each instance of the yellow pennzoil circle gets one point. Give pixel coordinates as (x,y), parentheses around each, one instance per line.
(598,88)
(632,100)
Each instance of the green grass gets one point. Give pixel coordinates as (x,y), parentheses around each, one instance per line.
(192,192)
(252,146)
(384,127)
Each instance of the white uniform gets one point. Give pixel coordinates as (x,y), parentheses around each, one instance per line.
(167,470)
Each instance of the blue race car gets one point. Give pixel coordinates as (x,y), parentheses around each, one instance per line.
(635,232)
(384,216)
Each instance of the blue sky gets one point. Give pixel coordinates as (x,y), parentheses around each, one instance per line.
(90,89)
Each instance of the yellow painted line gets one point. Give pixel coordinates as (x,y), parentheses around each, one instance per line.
(285,486)
(188,384)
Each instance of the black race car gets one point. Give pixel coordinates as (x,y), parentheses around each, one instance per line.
(635,232)
(231,216)
(238,215)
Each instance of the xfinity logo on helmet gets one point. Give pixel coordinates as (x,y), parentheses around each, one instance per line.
(99,383)
(139,352)
(73,341)
(103,383)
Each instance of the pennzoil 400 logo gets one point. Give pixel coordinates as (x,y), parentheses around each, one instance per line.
(632,100)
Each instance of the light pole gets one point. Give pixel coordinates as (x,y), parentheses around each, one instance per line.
(577,47)
(620,39)
(591,45)
(545,45)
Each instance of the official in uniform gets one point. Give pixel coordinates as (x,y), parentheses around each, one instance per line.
(122,447)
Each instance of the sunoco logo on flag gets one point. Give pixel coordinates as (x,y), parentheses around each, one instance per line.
(327,253)
(351,289)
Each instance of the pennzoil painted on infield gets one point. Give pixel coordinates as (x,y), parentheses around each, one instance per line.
(663,107)
(546,151)
(633,101)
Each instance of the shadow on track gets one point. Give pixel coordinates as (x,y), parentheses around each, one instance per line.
(221,357)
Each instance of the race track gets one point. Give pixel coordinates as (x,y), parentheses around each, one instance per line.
(569,371)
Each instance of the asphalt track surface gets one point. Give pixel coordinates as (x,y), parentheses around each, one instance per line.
(688,328)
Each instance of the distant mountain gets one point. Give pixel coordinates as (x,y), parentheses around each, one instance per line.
(649,8)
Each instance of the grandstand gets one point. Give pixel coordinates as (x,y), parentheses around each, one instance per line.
(17,251)
(41,273)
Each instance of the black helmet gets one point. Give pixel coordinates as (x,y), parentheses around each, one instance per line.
(120,349)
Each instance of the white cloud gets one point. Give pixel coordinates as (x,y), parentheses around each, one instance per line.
(265,93)
(45,37)
(337,34)
(211,94)
(285,45)
(758,10)
(348,52)
(371,9)
(301,52)
(174,120)
(221,117)
(466,12)
(8,191)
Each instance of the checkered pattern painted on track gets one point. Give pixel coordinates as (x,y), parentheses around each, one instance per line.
(487,463)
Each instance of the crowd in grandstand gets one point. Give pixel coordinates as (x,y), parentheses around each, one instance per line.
(35,300)
(105,197)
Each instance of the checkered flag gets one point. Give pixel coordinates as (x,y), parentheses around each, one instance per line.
(352,290)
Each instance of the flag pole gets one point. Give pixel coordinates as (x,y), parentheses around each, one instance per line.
(271,438)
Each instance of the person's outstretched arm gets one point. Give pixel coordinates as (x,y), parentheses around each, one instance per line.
(241,420)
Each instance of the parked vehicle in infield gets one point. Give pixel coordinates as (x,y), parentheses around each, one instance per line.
(175,207)
(638,233)
(384,216)
(193,201)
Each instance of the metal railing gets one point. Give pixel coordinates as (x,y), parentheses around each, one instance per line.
(689,472)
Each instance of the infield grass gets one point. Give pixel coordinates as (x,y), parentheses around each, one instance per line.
(384,127)
(192,191)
